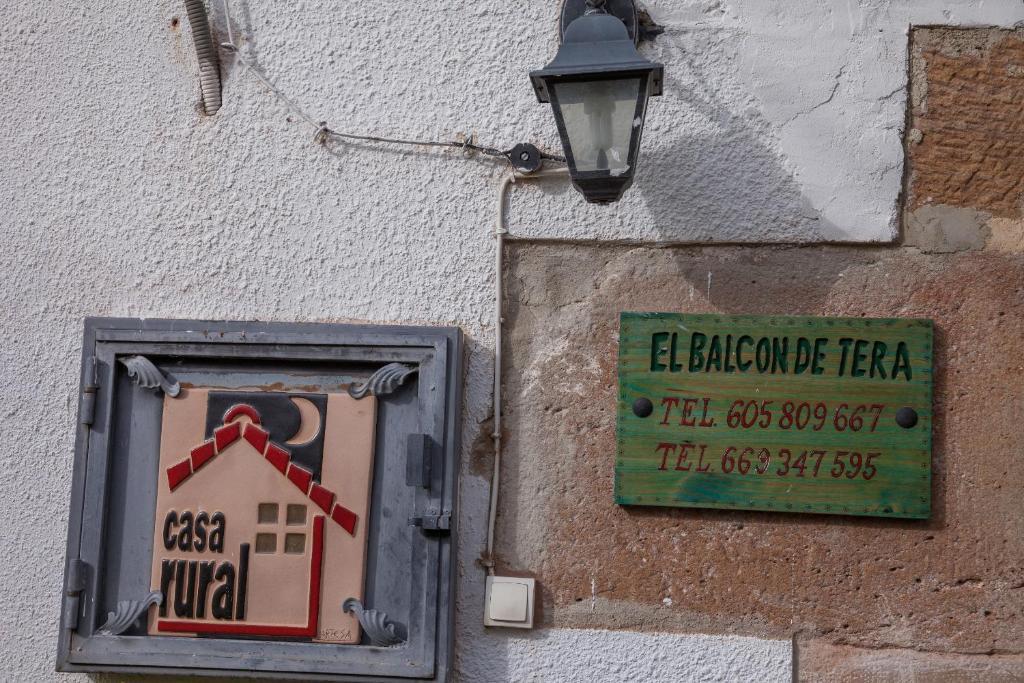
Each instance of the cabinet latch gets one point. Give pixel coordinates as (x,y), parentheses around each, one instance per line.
(432,522)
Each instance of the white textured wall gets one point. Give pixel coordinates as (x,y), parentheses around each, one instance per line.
(589,656)
(780,122)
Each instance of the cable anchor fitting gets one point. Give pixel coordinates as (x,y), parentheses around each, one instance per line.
(323,133)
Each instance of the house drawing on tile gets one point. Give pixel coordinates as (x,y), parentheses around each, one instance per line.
(260,519)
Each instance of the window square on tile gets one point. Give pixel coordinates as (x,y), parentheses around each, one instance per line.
(266,543)
(295,544)
(267,513)
(296,514)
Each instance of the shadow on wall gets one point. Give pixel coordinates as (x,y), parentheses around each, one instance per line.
(720,179)
(709,171)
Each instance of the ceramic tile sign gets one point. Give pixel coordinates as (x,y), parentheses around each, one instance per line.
(795,414)
(261,512)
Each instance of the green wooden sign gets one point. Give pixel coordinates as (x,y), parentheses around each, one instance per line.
(797,414)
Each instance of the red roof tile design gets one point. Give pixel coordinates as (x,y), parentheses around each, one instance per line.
(345,518)
(202,453)
(226,435)
(322,497)
(179,473)
(301,477)
(277,456)
(257,437)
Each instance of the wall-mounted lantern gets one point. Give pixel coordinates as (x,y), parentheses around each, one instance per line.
(598,85)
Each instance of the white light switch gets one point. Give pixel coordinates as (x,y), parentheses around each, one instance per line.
(509,602)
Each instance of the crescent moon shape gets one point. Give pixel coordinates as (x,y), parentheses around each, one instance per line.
(309,421)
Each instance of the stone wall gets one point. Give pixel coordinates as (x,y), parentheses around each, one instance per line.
(966,170)
(863,599)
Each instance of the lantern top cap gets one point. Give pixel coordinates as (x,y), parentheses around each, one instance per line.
(597,29)
(595,45)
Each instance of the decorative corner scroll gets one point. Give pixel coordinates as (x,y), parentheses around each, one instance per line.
(127,612)
(381,631)
(384,381)
(148,376)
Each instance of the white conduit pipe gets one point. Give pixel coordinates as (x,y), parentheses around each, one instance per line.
(499,320)
(206,54)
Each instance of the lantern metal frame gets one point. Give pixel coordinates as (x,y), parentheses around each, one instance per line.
(598,45)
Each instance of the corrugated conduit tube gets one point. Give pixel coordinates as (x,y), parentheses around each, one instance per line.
(206,53)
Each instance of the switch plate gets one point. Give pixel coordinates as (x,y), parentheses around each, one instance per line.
(508,601)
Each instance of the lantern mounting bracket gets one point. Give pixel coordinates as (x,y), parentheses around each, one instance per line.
(526,158)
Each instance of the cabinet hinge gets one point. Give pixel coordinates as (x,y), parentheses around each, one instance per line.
(89,389)
(73,594)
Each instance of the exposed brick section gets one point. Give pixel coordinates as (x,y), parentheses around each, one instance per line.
(968,105)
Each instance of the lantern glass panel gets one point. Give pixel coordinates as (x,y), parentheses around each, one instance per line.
(599,118)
